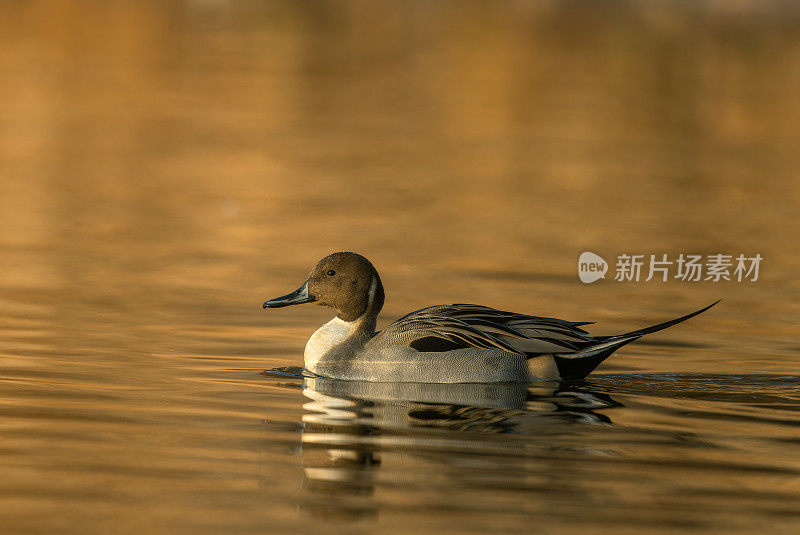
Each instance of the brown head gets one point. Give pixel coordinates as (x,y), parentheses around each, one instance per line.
(347,282)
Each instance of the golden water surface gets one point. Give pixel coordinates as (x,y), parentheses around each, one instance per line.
(165,167)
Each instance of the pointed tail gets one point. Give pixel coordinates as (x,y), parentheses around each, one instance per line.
(579,364)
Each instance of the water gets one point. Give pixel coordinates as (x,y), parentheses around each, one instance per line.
(167,166)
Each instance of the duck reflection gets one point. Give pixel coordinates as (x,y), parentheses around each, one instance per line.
(349,424)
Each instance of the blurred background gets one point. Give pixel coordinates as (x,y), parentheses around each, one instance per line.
(166,166)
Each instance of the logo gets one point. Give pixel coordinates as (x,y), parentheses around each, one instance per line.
(685,267)
(591,267)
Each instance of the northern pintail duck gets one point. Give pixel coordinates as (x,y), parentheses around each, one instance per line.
(440,344)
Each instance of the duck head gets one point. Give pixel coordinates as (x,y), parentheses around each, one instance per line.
(347,282)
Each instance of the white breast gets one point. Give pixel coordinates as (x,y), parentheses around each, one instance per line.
(326,338)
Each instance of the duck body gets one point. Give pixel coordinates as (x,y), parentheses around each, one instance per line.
(353,351)
(458,343)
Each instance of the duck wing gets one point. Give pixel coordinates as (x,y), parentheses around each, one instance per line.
(460,326)
(576,352)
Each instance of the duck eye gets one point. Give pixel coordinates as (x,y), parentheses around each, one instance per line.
(331,273)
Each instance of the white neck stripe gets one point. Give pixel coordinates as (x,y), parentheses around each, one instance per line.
(373,287)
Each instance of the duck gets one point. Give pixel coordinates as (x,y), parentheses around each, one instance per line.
(456,343)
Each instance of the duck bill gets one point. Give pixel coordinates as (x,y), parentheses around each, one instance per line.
(297,297)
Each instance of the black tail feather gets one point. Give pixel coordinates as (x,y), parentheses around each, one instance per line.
(660,326)
(579,364)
